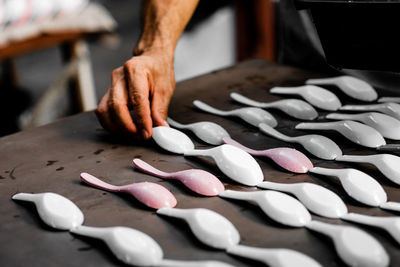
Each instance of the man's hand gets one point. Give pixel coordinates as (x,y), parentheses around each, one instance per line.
(145,84)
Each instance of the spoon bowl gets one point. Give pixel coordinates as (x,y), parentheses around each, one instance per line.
(387,164)
(354,247)
(172,140)
(354,87)
(356,132)
(209,132)
(253,116)
(318,145)
(55,210)
(234,163)
(150,194)
(209,227)
(199,181)
(315,198)
(128,245)
(288,158)
(389,224)
(386,125)
(358,185)
(293,107)
(316,96)
(279,207)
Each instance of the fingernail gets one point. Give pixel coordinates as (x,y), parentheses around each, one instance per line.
(166,123)
(145,134)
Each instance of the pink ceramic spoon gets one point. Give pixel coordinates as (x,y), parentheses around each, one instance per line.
(151,194)
(288,158)
(199,181)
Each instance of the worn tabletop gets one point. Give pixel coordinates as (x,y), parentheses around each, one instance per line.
(50,159)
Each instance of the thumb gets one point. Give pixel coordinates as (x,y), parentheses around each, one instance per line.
(159,109)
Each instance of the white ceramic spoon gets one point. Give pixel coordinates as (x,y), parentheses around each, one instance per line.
(357,184)
(389,224)
(216,231)
(315,95)
(288,158)
(55,210)
(391,109)
(387,164)
(354,131)
(388,126)
(208,226)
(389,99)
(296,108)
(274,257)
(232,161)
(278,206)
(314,197)
(176,263)
(351,86)
(128,245)
(318,145)
(209,132)
(253,116)
(354,246)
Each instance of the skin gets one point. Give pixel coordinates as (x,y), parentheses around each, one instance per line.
(146,82)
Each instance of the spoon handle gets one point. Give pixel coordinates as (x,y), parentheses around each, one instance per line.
(25,197)
(147,168)
(175,124)
(364,219)
(96,182)
(351,158)
(389,148)
(95,232)
(230,141)
(284,90)
(247,101)
(316,126)
(174,212)
(360,107)
(288,188)
(179,263)
(325,171)
(324,228)
(390,205)
(198,152)
(321,81)
(341,116)
(207,108)
(389,99)
(268,130)
(239,195)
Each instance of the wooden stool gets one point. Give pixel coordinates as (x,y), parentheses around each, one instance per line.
(77,69)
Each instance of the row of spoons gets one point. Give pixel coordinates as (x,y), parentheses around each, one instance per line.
(290,159)
(357,184)
(129,245)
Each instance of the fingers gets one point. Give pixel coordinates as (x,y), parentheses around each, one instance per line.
(103,115)
(118,104)
(138,89)
(159,107)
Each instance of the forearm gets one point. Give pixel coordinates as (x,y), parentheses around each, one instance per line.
(163,23)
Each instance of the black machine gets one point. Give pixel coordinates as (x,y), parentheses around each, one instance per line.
(358,34)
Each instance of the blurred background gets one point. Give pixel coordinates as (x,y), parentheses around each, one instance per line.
(35,85)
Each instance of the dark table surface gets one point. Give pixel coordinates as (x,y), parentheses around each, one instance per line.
(50,159)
